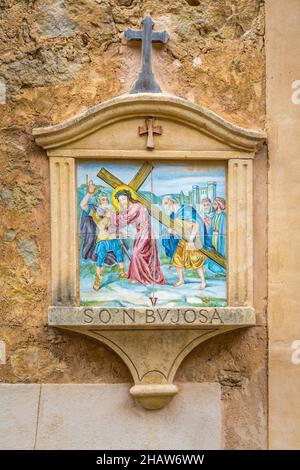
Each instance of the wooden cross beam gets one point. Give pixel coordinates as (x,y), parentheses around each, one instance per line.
(164,219)
(141,176)
(150,130)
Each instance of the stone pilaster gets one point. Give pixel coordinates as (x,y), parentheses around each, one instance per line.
(240,232)
(63,231)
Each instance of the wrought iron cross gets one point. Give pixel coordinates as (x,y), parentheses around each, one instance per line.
(146,81)
(150,129)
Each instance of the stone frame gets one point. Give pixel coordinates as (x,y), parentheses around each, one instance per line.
(193,133)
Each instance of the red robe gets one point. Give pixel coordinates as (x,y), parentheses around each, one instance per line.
(144,266)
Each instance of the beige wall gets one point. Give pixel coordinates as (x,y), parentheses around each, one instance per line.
(283,123)
(56,61)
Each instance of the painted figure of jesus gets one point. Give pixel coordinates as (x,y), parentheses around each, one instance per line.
(144,267)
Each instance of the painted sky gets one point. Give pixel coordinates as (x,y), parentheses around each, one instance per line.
(166,177)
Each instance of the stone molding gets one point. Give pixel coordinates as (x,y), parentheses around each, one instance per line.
(127,106)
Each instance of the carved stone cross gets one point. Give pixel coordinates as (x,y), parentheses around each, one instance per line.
(150,129)
(146,81)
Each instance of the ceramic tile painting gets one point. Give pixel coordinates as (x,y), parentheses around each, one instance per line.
(152,234)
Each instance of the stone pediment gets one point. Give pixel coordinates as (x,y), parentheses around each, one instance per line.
(113,125)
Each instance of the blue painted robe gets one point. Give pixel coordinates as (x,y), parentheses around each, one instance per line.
(217,240)
(188,214)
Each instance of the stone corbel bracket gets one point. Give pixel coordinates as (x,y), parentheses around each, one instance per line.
(152,342)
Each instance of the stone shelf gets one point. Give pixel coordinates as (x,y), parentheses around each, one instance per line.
(151,342)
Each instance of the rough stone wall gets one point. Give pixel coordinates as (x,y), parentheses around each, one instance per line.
(58,57)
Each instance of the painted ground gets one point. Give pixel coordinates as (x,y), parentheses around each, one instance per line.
(120,293)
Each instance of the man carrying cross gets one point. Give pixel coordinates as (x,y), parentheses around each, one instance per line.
(184,254)
(144,267)
(134,185)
